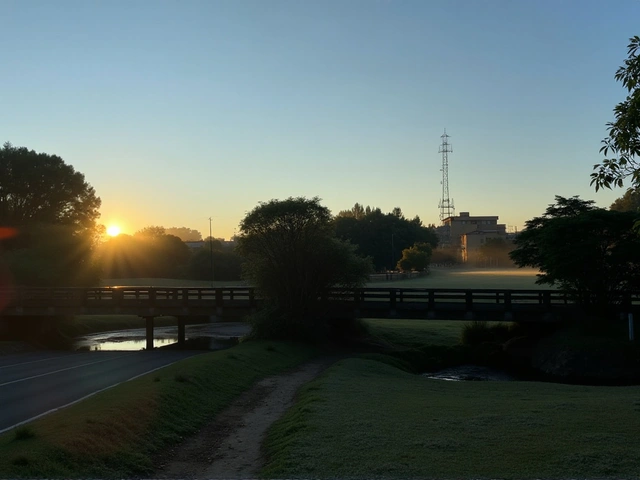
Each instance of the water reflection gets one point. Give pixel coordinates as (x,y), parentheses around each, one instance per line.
(135,339)
(129,345)
(469,373)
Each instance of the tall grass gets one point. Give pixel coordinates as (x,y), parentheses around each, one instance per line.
(116,433)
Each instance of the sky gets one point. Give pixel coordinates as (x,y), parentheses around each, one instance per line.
(177,111)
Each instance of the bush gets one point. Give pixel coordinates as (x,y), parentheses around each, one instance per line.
(476,333)
(270,323)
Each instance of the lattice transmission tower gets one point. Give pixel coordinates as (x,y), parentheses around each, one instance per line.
(446,204)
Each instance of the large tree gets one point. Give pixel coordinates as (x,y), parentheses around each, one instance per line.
(148,253)
(54,211)
(623,141)
(381,236)
(589,251)
(415,258)
(42,188)
(291,254)
(629,202)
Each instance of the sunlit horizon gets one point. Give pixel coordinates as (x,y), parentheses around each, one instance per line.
(113,230)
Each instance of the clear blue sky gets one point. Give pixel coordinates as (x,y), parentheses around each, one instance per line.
(184,109)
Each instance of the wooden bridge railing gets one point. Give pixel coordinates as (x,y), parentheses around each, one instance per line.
(188,301)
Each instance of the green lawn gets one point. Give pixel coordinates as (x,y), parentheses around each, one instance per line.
(365,419)
(168,282)
(458,277)
(415,333)
(455,277)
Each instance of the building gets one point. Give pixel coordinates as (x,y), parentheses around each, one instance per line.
(468,234)
(472,242)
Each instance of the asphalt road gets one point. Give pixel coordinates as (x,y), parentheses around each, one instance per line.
(32,384)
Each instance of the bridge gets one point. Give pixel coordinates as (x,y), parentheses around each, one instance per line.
(425,303)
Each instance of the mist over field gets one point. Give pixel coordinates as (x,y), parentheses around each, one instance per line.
(441,277)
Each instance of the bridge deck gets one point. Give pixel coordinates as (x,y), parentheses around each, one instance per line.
(366,302)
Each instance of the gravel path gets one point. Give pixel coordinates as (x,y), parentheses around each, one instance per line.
(230,447)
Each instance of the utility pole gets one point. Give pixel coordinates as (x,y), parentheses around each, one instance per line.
(211,250)
(446,204)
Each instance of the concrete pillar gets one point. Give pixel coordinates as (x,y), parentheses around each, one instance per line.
(181,328)
(149,325)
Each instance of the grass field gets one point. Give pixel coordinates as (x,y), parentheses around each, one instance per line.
(415,333)
(168,282)
(115,433)
(470,278)
(365,419)
(455,277)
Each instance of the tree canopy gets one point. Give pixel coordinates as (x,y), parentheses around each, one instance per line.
(291,254)
(415,258)
(623,140)
(54,211)
(41,188)
(380,236)
(629,202)
(148,253)
(185,234)
(589,251)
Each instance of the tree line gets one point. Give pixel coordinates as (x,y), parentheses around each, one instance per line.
(51,236)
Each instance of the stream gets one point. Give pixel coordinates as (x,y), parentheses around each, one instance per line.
(470,373)
(135,339)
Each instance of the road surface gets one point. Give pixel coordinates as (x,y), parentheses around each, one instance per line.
(32,384)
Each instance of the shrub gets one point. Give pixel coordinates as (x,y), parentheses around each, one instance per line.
(476,333)
(24,433)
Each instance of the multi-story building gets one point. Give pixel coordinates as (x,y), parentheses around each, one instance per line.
(467,233)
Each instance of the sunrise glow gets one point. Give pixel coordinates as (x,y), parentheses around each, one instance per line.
(113,231)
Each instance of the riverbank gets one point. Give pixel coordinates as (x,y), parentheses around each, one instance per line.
(117,433)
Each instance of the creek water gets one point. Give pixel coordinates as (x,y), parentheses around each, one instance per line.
(135,339)
(469,373)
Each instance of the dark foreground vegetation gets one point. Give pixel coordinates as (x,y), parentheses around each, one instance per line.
(370,415)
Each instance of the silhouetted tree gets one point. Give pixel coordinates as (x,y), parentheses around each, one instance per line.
(38,188)
(185,234)
(415,258)
(148,253)
(381,236)
(623,140)
(589,251)
(629,202)
(291,255)
(227,264)
(54,211)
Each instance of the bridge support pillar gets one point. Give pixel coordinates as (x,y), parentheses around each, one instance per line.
(181,328)
(149,327)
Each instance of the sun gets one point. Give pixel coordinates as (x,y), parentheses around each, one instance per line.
(113,231)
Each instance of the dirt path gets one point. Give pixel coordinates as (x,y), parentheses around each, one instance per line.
(230,447)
